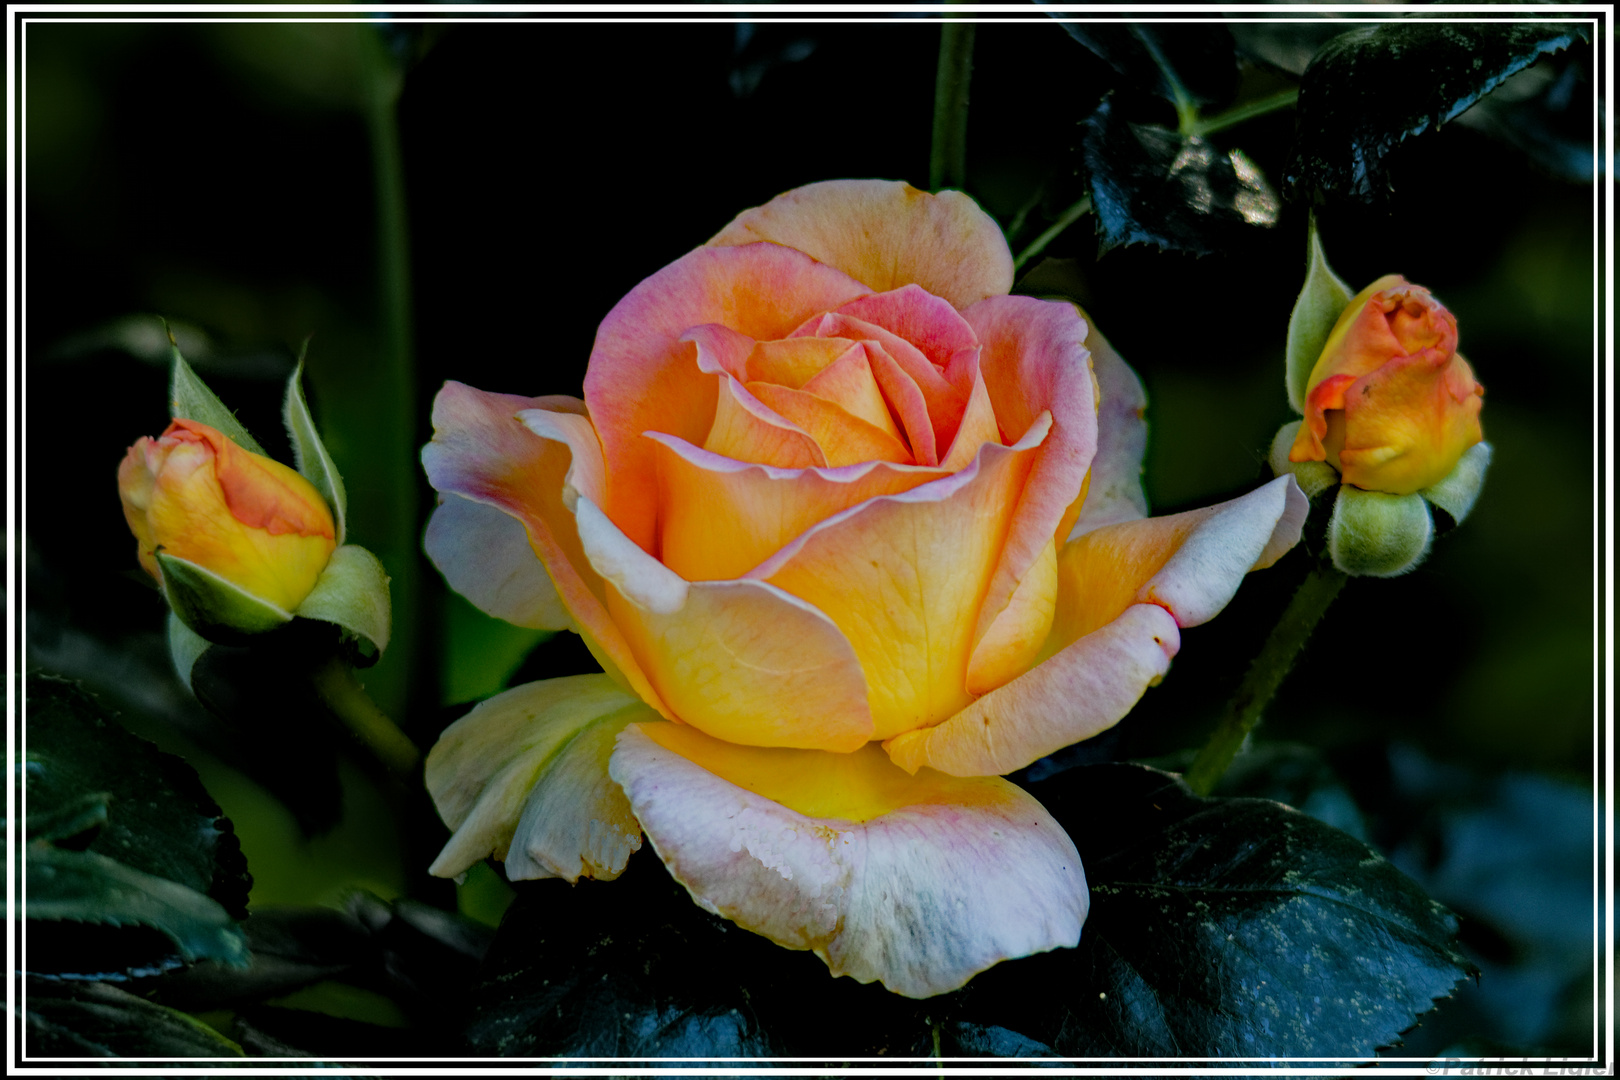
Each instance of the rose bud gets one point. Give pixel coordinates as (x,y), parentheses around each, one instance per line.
(1390,404)
(236,539)
(1391,417)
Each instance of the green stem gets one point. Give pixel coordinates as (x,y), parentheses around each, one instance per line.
(341,691)
(391,389)
(1067,218)
(1265,675)
(1283,99)
(947,161)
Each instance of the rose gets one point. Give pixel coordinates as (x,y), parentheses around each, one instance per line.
(202,507)
(1391,404)
(852,532)
(1391,410)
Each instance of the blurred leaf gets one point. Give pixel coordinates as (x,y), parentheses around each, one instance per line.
(97,1020)
(1185,65)
(1546,112)
(1150,185)
(287,735)
(352,593)
(1218,927)
(1321,300)
(1359,97)
(1285,45)
(190,399)
(160,820)
(309,452)
(760,47)
(83,887)
(291,948)
(1221,928)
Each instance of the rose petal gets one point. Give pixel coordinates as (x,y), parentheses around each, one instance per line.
(1084,689)
(746,429)
(931,881)
(1114,490)
(887,234)
(720,518)
(482,452)
(641,376)
(1190,564)
(741,660)
(1033,362)
(523,777)
(484,554)
(902,576)
(844,439)
(792,362)
(945,402)
(1013,643)
(926,322)
(848,382)
(1408,423)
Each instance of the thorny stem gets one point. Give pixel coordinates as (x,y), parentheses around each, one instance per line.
(1065,219)
(947,160)
(1265,675)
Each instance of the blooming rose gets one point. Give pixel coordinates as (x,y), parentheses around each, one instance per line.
(193,494)
(852,532)
(1391,404)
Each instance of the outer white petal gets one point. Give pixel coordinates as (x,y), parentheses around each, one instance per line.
(484,554)
(523,777)
(921,898)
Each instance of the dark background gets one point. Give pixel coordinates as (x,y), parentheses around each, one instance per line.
(222,176)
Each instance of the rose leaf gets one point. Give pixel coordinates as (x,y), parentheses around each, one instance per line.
(130,865)
(1358,99)
(73,1019)
(1150,185)
(1219,927)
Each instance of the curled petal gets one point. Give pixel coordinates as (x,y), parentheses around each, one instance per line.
(484,554)
(887,234)
(641,376)
(916,882)
(746,429)
(901,575)
(523,777)
(1034,361)
(1189,564)
(1114,490)
(719,518)
(1086,688)
(741,660)
(844,438)
(481,451)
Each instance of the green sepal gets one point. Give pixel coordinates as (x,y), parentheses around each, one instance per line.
(83,886)
(1374,534)
(1320,303)
(214,608)
(190,399)
(353,593)
(1457,493)
(186,647)
(309,452)
(1314,477)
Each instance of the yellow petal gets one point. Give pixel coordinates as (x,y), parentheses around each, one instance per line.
(903,577)
(844,438)
(720,518)
(886,234)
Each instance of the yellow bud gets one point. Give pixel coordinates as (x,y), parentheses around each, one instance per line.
(195,495)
